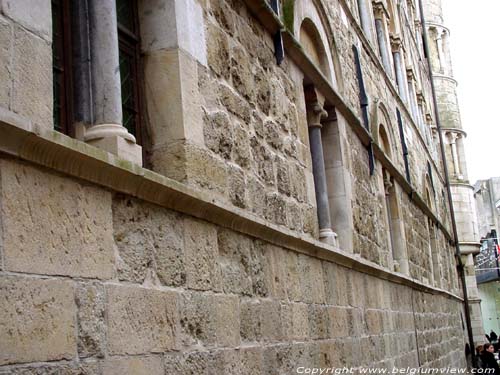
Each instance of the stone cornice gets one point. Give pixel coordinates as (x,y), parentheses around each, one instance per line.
(21,139)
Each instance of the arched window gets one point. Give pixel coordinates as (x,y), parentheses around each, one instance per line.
(327,132)
(393,219)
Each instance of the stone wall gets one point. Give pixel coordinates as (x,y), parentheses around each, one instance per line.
(26,53)
(93,281)
(171,294)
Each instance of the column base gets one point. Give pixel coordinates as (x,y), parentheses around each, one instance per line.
(328,236)
(113,138)
(122,148)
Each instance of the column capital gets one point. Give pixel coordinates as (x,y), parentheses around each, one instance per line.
(420,98)
(315,114)
(315,106)
(379,10)
(429,119)
(410,73)
(396,43)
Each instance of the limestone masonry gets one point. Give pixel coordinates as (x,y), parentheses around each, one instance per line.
(231,187)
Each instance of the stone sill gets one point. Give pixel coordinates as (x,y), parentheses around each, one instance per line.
(21,139)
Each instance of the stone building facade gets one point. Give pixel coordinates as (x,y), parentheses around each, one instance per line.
(453,135)
(487,202)
(177,198)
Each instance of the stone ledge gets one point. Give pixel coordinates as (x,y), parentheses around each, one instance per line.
(74,158)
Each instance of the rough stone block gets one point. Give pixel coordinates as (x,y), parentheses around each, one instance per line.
(271,320)
(300,321)
(228,320)
(218,51)
(311,279)
(234,260)
(38,320)
(32,76)
(259,269)
(53,225)
(133,366)
(339,321)
(198,318)
(250,325)
(277,269)
(200,242)
(148,237)
(75,368)
(141,320)
(6,36)
(319,321)
(90,301)
(237,187)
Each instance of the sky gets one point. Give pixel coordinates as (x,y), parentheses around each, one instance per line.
(475,51)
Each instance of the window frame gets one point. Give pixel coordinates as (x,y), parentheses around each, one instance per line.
(129,43)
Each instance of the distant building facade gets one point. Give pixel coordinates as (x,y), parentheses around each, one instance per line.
(229,186)
(487,199)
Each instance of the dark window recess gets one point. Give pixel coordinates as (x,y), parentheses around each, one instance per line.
(403,145)
(129,46)
(61,66)
(363,103)
(429,171)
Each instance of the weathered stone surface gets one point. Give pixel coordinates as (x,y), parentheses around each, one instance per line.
(6,34)
(200,242)
(90,301)
(87,368)
(31,94)
(198,318)
(141,320)
(38,318)
(234,261)
(228,321)
(250,320)
(237,187)
(217,51)
(148,238)
(54,225)
(133,365)
(218,131)
(33,15)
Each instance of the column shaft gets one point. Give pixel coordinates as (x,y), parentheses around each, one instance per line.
(106,89)
(382,44)
(106,130)
(320,187)
(399,75)
(364,17)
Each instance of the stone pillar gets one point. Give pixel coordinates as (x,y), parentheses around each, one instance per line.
(398,67)
(380,22)
(106,130)
(439,42)
(315,113)
(412,96)
(364,18)
(454,154)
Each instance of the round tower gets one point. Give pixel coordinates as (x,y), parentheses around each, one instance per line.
(453,137)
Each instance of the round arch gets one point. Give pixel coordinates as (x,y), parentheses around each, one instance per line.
(308,19)
(381,129)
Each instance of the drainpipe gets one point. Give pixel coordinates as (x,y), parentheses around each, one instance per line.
(460,266)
